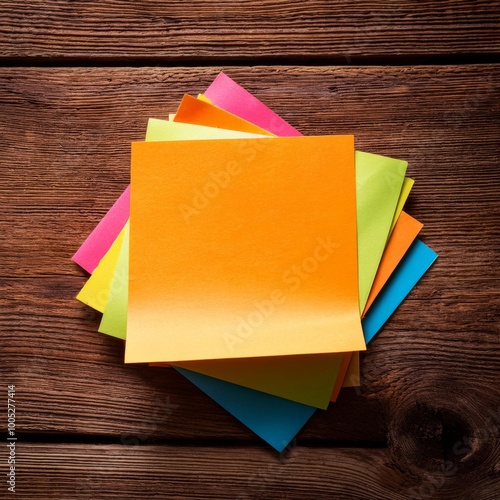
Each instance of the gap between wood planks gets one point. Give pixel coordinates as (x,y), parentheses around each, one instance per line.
(333,60)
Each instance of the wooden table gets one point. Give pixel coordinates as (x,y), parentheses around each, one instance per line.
(416,80)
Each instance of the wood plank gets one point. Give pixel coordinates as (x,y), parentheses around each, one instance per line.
(340,31)
(432,373)
(71,379)
(70,471)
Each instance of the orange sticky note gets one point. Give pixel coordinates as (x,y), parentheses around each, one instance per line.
(322,369)
(222,231)
(344,366)
(404,233)
(192,110)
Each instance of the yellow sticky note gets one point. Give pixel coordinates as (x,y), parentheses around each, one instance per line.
(403,196)
(242,248)
(96,291)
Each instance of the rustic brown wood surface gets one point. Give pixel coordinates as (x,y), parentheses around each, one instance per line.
(208,30)
(425,422)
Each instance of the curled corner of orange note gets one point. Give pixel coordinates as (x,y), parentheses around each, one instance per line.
(201,112)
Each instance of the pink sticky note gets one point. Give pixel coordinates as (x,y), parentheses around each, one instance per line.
(227,94)
(102,237)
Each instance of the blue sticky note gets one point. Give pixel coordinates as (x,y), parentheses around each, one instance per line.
(274,419)
(412,267)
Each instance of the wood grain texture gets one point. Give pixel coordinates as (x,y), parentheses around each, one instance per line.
(341,31)
(111,471)
(430,380)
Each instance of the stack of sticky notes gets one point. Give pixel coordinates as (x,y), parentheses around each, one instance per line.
(253,260)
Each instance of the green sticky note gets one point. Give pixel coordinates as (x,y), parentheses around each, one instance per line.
(405,192)
(114,321)
(162,130)
(379,181)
